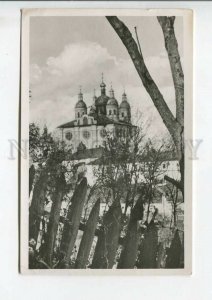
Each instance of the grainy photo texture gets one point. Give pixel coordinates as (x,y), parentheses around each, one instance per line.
(106,142)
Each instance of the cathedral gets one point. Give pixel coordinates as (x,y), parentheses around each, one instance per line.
(88,129)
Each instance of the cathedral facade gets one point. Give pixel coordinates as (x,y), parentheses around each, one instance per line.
(88,129)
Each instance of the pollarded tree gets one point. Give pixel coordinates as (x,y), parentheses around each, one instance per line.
(174,123)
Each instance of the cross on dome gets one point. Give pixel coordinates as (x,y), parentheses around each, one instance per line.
(80,95)
(111,91)
(102,85)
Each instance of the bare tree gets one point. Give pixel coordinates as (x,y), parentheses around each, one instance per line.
(151,162)
(175,197)
(118,170)
(174,124)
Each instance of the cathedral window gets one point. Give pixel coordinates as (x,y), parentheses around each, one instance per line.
(110,112)
(68,135)
(86,134)
(85,121)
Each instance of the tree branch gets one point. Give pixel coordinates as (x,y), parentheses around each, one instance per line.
(176,183)
(167,25)
(149,84)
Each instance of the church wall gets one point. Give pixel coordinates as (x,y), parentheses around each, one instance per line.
(92,136)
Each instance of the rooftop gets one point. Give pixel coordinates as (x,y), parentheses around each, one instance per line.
(101,120)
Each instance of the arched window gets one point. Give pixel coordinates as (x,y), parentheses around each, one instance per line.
(86,134)
(110,112)
(122,114)
(68,135)
(78,114)
(85,121)
(114,112)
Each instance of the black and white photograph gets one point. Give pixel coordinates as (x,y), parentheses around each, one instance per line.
(106,101)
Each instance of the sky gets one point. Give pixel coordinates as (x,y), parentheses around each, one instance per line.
(68,52)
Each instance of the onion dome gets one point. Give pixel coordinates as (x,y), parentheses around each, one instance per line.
(80,103)
(112,100)
(124,103)
(103,86)
(103,98)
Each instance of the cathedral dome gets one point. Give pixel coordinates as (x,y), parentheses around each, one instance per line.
(80,104)
(124,103)
(102,85)
(101,100)
(112,101)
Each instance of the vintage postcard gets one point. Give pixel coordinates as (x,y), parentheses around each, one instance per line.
(106,113)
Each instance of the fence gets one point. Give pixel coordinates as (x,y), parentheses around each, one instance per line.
(102,244)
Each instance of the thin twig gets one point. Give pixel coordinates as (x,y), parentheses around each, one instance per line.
(139,46)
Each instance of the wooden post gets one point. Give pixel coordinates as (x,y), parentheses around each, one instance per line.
(36,209)
(161,258)
(73,220)
(129,253)
(54,218)
(174,253)
(87,238)
(149,247)
(108,239)
(112,224)
(99,258)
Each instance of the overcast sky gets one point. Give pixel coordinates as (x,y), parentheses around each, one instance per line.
(66,52)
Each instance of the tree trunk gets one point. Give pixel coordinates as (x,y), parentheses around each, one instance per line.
(54,218)
(167,25)
(175,125)
(87,238)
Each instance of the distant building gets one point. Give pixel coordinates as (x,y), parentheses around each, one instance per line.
(88,129)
